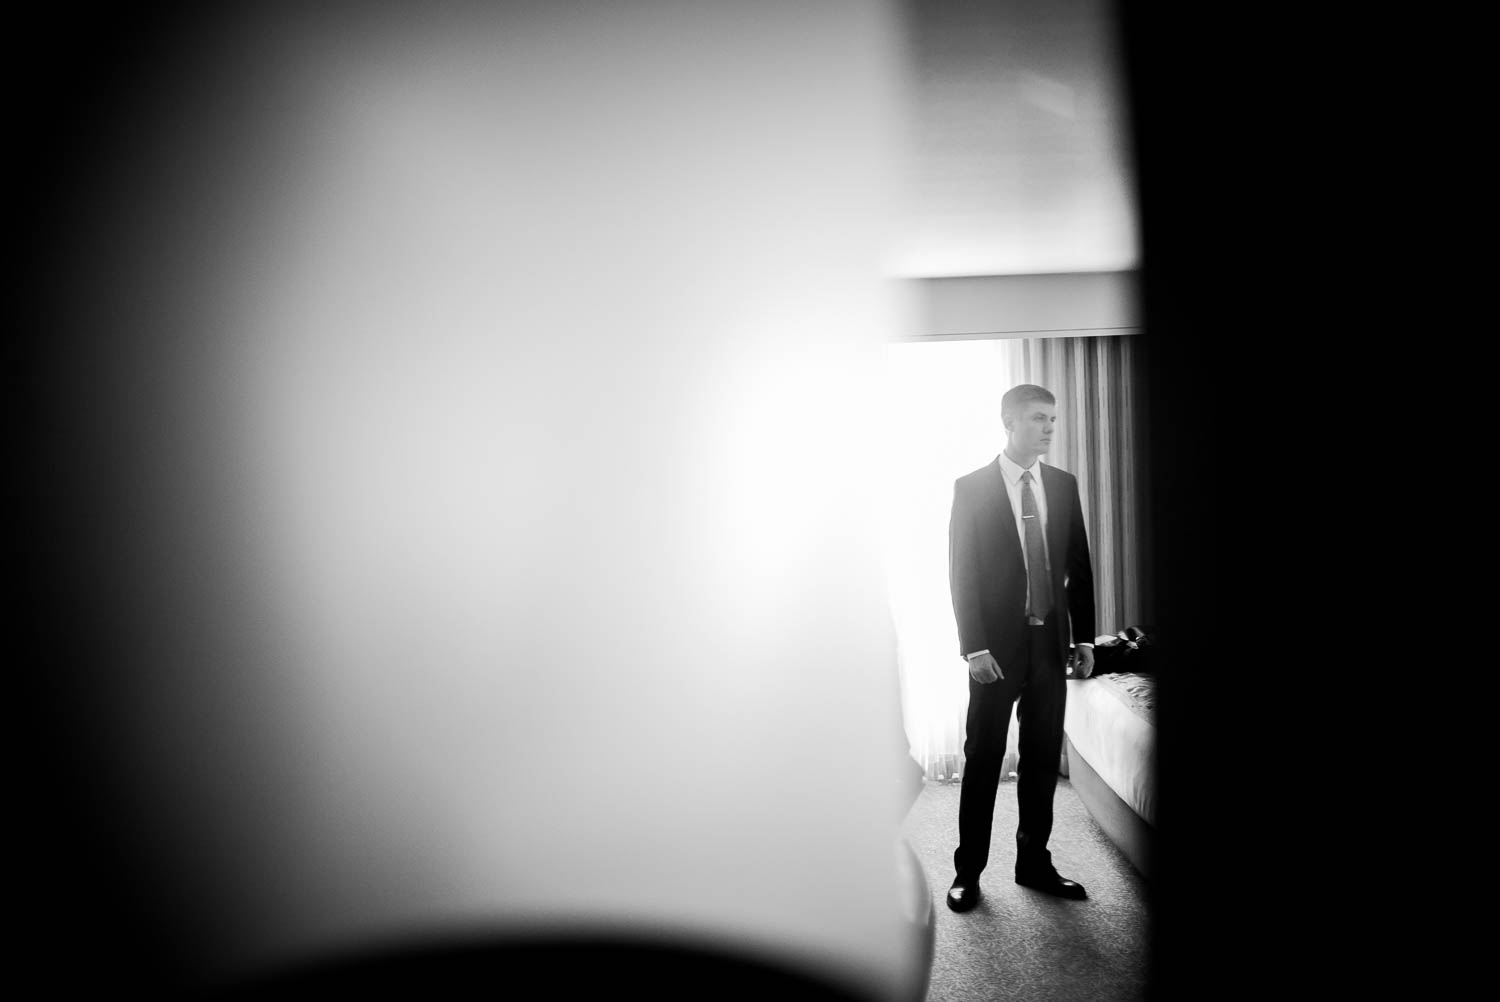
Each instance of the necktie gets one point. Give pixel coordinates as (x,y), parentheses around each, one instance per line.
(1036,553)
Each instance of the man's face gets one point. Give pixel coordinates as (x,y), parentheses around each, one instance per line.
(1030,429)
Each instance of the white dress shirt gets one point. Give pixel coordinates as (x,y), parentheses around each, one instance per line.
(1010,472)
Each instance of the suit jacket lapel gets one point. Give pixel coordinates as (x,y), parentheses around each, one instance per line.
(1003,516)
(1059,515)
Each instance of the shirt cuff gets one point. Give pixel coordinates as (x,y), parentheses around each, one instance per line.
(1084,645)
(970,657)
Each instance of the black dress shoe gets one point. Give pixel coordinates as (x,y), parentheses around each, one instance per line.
(1049,881)
(963,895)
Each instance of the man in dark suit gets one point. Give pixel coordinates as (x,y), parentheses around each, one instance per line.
(1022,583)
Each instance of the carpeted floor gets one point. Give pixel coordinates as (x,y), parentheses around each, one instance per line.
(1022,944)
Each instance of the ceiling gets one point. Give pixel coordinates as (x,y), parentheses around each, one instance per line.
(1019,157)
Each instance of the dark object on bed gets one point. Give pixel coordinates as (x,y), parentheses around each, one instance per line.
(1130,650)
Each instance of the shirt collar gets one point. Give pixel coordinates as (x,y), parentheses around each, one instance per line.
(1012,472)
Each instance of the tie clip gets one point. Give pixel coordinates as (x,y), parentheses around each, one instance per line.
(1028,516)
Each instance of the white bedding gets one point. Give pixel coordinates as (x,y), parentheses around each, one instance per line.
(1112,729)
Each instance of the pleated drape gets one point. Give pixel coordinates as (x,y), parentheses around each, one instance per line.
(1099,437)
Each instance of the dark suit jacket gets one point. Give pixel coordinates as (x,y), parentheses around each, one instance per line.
(987,569)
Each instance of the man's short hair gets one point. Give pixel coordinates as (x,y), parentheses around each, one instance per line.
(1017,397)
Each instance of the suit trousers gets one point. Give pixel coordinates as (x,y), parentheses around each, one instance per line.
(1041,687)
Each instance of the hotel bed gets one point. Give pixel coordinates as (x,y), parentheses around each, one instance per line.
(1111,745)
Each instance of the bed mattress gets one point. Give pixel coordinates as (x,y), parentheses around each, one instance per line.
(1111,721)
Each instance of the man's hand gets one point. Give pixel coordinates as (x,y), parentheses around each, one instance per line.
(983,669)
(1083,662)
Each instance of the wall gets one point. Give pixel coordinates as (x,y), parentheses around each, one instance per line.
(1060,305)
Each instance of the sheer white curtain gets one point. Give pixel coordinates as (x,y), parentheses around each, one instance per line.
(943,410)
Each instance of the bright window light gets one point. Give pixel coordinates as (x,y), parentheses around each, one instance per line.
(943,420)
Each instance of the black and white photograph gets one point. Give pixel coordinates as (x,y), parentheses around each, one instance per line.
(662,498)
